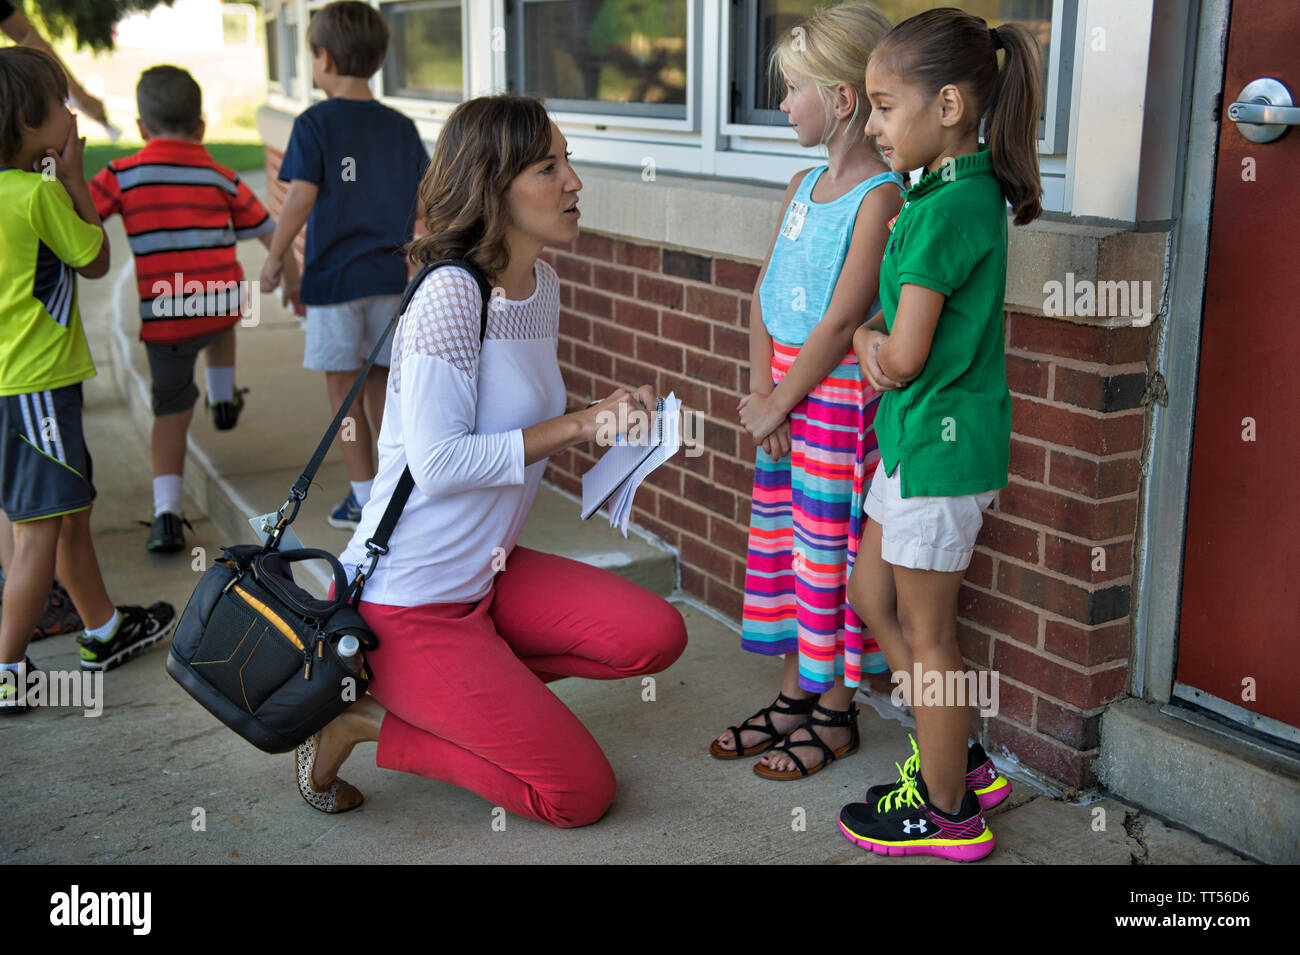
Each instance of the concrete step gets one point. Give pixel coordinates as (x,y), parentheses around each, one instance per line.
(235,474)
(1208,776)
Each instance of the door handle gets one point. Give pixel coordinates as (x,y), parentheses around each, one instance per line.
(1263,111)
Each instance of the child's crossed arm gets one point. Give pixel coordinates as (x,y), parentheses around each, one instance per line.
(828,342)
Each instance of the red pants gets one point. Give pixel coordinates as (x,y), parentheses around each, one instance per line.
(463,683)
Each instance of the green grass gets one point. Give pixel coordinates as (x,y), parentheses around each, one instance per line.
(241,157)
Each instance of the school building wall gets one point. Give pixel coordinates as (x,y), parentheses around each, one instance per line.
(1048,597)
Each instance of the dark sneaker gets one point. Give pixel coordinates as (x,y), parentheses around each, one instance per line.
(11,698)
(982,777)
(165,534)
(139,627)
(225,414)
(60,615)
(901,824)
(347,514)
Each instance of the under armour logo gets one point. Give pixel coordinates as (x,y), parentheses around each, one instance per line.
(909,826)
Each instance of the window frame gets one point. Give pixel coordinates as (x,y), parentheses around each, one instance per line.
(603,117)
(760,137)
(426,103)
(705,143)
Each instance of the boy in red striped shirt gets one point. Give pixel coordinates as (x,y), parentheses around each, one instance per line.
(184,214)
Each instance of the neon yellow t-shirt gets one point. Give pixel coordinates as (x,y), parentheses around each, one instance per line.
(42,241)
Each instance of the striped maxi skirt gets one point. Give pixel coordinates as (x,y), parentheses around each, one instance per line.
(805,524)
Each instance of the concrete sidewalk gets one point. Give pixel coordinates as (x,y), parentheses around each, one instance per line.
(134,784)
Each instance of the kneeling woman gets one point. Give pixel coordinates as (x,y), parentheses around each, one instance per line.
(470,626)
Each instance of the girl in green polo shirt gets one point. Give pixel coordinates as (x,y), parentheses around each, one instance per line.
(937,353)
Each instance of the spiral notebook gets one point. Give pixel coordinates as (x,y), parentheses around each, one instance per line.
(613,479)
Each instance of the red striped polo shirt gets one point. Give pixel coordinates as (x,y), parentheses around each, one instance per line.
(184,214)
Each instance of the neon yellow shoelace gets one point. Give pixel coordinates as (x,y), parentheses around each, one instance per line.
(905,793)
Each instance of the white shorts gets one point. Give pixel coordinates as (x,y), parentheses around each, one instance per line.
(924,533)
(340,336)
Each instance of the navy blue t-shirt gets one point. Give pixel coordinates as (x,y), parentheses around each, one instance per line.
(366,162)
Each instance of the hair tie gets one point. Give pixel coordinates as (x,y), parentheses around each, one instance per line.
(997,40)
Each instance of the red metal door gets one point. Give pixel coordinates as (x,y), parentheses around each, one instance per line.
(1239,632)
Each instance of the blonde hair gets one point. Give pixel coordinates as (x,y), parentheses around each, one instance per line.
(832,47)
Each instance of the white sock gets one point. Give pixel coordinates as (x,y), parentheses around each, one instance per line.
(361,491)
(13,667)
(107,630)
(221,383)
(167,494)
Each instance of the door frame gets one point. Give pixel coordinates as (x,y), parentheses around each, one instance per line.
(1162,532)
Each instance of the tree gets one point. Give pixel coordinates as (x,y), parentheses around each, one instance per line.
(90,21)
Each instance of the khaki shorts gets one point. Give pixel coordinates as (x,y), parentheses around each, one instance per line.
(341,336)
(924,533)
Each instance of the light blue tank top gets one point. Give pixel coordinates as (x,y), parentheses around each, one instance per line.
(808,256)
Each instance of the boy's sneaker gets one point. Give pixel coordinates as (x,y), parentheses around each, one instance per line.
(60,615)
(347,514)
(12,701)
(165,534)
(139,627)
(902,824)
(982,777)
(225,414)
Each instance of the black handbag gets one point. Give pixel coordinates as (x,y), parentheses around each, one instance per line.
(258,651)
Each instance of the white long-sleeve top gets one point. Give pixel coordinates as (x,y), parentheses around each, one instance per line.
(456,415)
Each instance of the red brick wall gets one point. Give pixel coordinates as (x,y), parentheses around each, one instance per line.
(1032,607)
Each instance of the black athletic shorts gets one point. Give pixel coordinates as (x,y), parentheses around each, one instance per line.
(45,469)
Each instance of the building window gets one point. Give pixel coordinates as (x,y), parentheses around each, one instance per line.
(757,26)
(286,34)
(627,57)
(272,46)
(425,50)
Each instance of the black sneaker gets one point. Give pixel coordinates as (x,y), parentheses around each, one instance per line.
(982,777)
(902,824)
(139,627)
(165,534)
(11,700)
(225,414)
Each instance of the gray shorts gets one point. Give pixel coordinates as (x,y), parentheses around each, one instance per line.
(45,469)
(171,373)
(340,336)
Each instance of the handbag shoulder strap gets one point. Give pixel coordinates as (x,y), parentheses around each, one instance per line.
(377,544)
(298,491)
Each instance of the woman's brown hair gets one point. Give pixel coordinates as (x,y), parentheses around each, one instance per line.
(947,46)
(485,143)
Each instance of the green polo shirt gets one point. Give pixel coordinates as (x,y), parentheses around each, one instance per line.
(952,424)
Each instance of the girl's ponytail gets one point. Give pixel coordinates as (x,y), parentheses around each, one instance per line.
(946,46)
(1011,123)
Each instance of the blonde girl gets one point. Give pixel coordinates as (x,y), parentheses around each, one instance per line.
(809,408)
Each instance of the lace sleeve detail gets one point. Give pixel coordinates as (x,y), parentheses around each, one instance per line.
(442,321)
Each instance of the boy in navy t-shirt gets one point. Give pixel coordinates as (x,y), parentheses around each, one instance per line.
(353,167)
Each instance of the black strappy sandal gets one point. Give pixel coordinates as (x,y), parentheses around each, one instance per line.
(791,707)
(847,718)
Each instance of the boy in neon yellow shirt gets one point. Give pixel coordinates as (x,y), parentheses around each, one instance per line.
(49,233)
